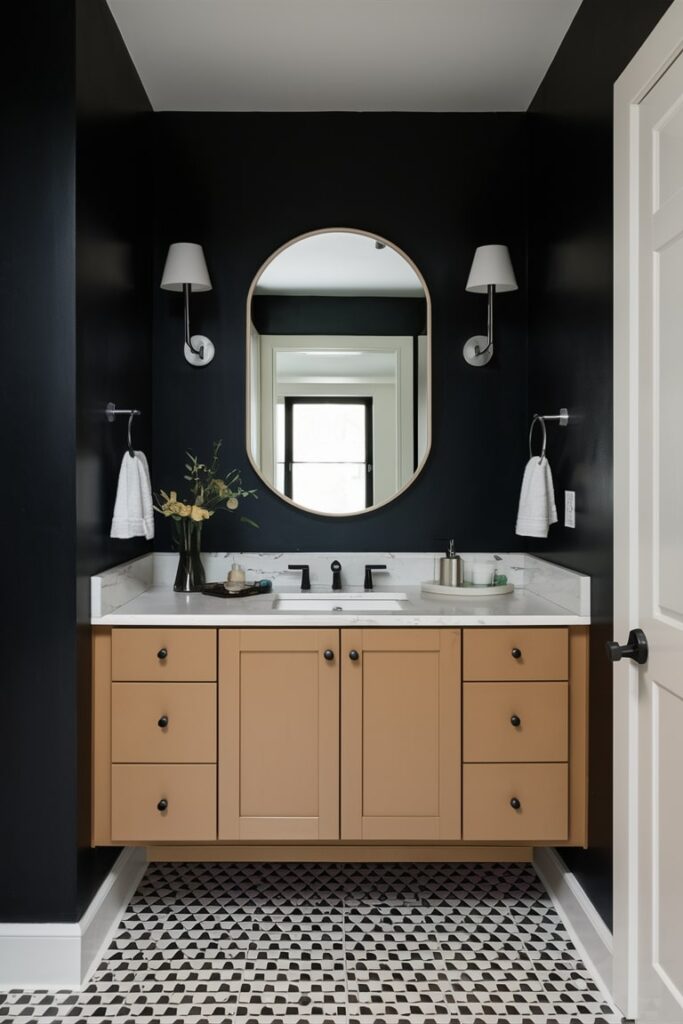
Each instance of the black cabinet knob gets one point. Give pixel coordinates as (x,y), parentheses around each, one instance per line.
(162,805)
(328,655)
(354,655)
(516,653)
(515,804)
(515,720)
(163,722)
(162,654)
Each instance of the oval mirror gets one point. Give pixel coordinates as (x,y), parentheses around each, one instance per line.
(338,372)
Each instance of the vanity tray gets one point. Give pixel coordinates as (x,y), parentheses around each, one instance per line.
(467,589)
(247,590)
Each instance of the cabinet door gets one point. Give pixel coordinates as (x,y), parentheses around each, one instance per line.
(401,760)
(278,734)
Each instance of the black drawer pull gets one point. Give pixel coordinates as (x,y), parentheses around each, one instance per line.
(354,655)
(162,654)
(516,653)
(162,805)
(515,804)
(328,655)
(163,722)
(515,720)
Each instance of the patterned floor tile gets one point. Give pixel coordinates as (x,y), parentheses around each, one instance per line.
(403,943)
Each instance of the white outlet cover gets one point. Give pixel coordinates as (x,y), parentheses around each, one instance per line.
(570,509)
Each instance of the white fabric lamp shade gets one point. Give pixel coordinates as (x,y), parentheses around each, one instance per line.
(492,266)
(185,264)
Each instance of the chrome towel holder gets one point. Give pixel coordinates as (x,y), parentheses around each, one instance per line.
(561,418)
(111,412)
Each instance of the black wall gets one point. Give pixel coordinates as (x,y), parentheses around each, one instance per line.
(437,186)
(37,515)
(67,270)
(114,330)
(570,341)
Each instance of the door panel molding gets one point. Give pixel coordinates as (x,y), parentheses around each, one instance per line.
(639,221)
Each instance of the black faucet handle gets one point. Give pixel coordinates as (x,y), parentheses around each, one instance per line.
(367,585)
(305,575)
(335,566)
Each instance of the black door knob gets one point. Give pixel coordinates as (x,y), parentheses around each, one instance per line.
(328,655)
(516,653)
(163,722)
(515,720)
(515,804)
(354,655)
(636,648)
(162,805)
(163,653)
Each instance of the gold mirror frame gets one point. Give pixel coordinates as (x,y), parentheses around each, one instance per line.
(248,375)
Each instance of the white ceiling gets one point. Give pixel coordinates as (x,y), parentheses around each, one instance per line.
(303,55)
(339,263)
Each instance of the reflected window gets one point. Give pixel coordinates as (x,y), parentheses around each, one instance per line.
(327,449)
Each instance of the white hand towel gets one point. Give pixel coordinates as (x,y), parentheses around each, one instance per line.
(537,500)
(133,509)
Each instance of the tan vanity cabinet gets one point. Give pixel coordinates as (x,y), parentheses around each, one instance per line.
(328,739)
(278,734)
(400,734)
(524,734)
(155,728)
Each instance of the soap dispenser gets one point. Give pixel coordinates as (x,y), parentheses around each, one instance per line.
(450,567)
(236,574)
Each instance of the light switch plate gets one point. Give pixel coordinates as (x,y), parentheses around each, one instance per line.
(570,509)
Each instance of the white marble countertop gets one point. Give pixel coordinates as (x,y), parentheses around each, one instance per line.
(160,606)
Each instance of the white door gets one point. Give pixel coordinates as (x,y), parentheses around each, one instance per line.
(649,533)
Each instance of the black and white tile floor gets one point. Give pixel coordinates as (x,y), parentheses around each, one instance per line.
(399,943)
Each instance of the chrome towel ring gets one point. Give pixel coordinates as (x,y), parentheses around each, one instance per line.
(111,412)
(562,419)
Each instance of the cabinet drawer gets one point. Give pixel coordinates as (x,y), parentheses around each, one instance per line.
(515,721)
(160,655)
(500,654)
(190,794)
(157,722)
(542,792)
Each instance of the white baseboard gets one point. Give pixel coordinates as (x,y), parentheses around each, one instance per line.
(49,956)
(589,932)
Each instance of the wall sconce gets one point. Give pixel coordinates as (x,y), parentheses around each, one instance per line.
(491,271)
(185,270)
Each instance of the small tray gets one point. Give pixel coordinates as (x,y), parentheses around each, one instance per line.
(467,589)
(248,590)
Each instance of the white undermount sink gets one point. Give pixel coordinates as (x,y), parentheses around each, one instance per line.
(369,601)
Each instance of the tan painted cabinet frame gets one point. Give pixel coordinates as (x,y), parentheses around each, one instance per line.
(320,835)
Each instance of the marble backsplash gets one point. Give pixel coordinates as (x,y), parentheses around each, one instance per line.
(115,587)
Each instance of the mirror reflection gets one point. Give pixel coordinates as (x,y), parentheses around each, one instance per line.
(338,391)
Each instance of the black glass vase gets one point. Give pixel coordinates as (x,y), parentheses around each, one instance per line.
(190,576)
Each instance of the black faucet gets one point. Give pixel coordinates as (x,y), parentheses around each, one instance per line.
(367,585)
(336,575)
(305,575)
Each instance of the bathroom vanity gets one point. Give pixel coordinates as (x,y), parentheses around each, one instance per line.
(445,730)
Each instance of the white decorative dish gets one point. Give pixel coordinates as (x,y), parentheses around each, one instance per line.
(467,589)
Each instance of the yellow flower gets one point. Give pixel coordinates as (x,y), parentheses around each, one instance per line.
(179,509)
(232,504)
(198,513)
